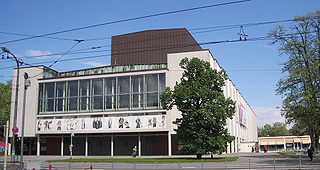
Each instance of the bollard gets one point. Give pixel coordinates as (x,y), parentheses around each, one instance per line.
(225,163)
(274,163)
(13,166)
(157,165)
(69,165)
(22,165)
(112,164)
(179,164)
(49,165)
(300,167)
(201,164)
(134,167)
(90,165)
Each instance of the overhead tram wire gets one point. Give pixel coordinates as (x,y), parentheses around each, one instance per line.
(29,35)
(163,48)
(262,38)
(127,20)
(211,29)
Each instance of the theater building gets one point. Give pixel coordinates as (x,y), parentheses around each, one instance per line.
(109,110)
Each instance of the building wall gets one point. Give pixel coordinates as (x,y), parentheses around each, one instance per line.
(31,100)
(243,132)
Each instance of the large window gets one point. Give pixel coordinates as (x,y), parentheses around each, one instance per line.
(97,92)
(84,99)
(137,97)
(110,93)
(72,97)
(60,97)
(124,92)
(49,97)
(152,95)
(103,94)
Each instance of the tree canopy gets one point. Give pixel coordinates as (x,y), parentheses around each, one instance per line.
(278,129)
(5,101)
(300,86)
(204,109)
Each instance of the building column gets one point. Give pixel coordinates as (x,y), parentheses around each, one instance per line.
(139,144)
(62,145)
(86,146)
(38,145)
(111,144)
(284,143)
(169,143)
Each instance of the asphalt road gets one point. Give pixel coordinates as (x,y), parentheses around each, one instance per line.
(246,161)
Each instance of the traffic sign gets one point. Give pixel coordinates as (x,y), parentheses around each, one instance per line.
(15,130)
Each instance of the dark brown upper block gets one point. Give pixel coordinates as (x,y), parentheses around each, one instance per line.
(150,47)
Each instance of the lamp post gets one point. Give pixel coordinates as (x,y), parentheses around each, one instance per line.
(26,84)
(5,50)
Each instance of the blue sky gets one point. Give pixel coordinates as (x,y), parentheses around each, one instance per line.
(254,67)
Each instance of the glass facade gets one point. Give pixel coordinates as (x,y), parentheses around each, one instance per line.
(102,94)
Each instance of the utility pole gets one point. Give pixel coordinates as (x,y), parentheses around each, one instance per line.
(5,50)
(26,85)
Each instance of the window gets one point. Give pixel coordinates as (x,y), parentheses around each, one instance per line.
(152,94)
(137,85)
(40,102)
(49,97)
(124,92)
(102,94)
(110,93)
(97,92)
(72,98)
(60,97)
(84,99)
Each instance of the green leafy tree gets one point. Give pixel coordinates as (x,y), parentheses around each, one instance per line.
(300,86)
(299,129)
(278,129)
(204,109)
(5,100)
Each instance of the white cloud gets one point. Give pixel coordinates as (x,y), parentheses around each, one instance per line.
(268,115)
(38,53)
(94,64)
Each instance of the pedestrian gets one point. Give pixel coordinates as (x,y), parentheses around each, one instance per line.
(252,149)
(310,152)
(134,151)
(265,149)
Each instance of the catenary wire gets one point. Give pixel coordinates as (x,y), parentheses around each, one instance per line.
(126,20)
(207,29)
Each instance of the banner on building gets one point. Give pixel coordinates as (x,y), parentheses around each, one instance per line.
(102,123)
(242,115)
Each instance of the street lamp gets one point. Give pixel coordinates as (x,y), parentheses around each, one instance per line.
(5,50)
(26,85)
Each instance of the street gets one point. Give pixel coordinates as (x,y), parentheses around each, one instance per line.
(245,161)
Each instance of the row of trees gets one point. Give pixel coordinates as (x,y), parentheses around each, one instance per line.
(279,129)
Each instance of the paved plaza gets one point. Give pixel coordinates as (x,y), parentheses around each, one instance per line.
(245,161)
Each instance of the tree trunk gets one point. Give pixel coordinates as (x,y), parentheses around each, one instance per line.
(199,156)
(316,142)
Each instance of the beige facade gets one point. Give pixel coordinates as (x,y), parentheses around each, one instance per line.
(50,130)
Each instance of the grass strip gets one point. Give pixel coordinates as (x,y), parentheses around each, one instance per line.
(147,160)
(286,153)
